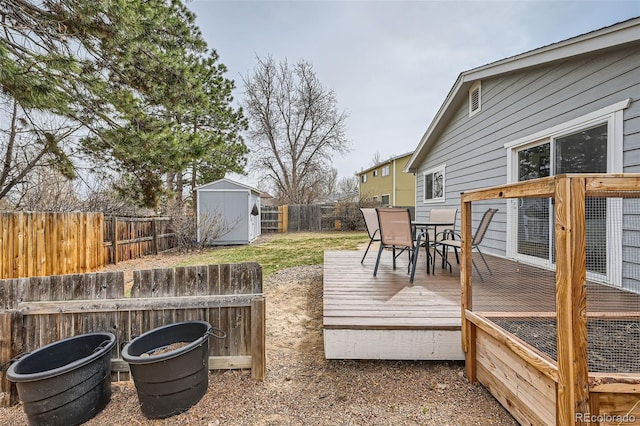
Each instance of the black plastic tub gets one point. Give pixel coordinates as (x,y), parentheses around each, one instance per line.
(170,383)
(66,382)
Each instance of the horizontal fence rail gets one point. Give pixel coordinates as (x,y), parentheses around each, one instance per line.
(40,310)
(127,238)
(553,331)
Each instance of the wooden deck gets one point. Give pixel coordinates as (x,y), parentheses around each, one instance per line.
(386,317)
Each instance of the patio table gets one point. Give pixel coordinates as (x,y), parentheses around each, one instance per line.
(423,226)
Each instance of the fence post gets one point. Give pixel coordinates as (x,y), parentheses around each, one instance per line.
(114,239)
(468,329)
(571,300)
(154,233)
(285,218)
(258,345)
(5,356)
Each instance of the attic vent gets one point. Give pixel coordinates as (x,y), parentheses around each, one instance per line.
(475,99)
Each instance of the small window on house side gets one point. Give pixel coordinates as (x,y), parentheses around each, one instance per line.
(363,178)
(385,200)
(475,98)
(375,173)
(434,184)
(385,171)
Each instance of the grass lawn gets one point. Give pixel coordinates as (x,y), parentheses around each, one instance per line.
(283,250)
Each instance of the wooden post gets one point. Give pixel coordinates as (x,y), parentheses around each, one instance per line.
(5,356)
(258,340)
(467,327)
(114,240)
(571,301)
(154,234)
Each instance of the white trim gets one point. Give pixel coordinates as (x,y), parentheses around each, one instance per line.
(570,126)
(225,190)
(198,215)
(439,168)
(201,187)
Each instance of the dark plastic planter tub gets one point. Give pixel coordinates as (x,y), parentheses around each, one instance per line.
(66,382)
(171,382)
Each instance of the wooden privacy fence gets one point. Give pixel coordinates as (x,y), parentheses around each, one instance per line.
(40,310)
(272,218)
(127,238)
(36,244)
(312,218)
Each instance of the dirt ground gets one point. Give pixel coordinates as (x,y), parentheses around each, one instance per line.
(302,387)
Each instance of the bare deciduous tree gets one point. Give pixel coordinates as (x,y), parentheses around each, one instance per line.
(295,128)
(376,159)
(347,185)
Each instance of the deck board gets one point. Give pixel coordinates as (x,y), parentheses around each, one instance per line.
(353,297)
(360,310)
(385,317)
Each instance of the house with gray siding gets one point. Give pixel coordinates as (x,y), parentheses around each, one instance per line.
(569,107)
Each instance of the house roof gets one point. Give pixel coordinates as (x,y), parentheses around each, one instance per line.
(388,160)
(605,38)
(229,181)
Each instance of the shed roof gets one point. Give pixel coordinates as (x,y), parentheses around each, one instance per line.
(221,182)
(616,35)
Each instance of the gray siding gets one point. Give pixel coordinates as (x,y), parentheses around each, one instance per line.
(521,104)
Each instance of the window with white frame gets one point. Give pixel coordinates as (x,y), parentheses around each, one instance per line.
(375,173)
(363,178)
(385,200)
(385,171)
(433,180)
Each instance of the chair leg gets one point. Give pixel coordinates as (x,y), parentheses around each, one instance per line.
(445,258)
(477,270)
(375,270)
(428,254)
(484,260)
(414,261)
(367,250)
(394,256)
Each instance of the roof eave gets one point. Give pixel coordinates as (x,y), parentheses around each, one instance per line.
(612,36)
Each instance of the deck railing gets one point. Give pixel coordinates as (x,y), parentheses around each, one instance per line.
(572,272)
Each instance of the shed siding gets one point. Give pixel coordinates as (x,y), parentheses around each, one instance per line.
(521,104)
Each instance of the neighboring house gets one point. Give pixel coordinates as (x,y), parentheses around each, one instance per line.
(228,213)
(387,183)
(267,199)
(569,107)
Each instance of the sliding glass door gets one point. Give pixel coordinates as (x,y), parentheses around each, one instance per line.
(579,152)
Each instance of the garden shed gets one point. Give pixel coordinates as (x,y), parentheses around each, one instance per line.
(228,212)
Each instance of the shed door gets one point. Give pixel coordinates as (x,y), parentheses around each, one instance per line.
(228,209)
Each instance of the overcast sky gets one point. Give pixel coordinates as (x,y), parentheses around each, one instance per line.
(391,63)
